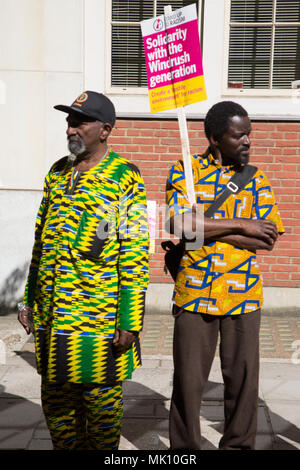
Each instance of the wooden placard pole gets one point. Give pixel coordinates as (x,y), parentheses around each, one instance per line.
(185,145)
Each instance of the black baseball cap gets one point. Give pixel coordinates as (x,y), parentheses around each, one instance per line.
(92,104)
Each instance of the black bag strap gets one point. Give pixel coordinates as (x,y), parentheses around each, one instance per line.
(236,183)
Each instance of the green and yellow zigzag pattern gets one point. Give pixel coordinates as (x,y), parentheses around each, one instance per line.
(89,271)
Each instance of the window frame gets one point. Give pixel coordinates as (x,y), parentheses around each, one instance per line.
(248,92)
(117,90)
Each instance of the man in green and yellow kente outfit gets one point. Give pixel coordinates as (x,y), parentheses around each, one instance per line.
(85,293)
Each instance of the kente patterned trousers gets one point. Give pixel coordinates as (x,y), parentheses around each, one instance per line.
(83,416)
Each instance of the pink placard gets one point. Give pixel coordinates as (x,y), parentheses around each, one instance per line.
(173,55)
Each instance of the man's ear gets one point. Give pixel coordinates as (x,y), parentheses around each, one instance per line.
(215,147)
(105,131)
(214,142)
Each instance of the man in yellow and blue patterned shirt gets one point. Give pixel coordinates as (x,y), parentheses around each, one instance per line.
(218,288)
(87,281)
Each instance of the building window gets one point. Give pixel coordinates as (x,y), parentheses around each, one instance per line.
(264,44)
(127,65)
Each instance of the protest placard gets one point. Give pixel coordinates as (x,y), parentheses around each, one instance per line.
(173,59)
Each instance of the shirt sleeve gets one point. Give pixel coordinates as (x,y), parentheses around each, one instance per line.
(133,266)
(265,205)
(30,287)
(176,193)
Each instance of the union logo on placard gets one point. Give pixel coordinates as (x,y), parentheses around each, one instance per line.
(158,24)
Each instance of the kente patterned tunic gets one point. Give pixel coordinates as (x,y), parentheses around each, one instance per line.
(89,271)
(220,279)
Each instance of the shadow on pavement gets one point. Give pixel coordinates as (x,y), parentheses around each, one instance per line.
(9,291)
(145,423)
(18,418)
(288,431)
(145,416)
(27,356)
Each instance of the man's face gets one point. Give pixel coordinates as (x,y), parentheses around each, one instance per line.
(83,134)
(234,145)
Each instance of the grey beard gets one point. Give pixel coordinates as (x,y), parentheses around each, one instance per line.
(76,146)
(71,157)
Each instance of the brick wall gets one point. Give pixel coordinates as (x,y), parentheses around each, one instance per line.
(154,145)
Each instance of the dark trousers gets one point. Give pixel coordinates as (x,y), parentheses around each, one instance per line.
(195,341)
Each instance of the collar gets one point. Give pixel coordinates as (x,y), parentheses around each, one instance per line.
(208,159)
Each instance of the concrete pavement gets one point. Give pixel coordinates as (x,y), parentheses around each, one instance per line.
(147,397)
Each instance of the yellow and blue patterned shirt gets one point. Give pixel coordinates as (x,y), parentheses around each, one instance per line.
(89,271)
(220,279)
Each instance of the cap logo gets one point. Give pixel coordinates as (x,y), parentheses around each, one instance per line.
(81,99)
